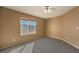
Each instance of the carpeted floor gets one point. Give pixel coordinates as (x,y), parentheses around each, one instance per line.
(43,45)
(48,45)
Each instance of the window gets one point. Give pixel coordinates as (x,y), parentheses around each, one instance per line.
(27,27)
(32,27)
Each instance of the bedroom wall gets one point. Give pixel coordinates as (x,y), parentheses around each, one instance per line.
(71,27)
(0,22)
(54,27)
(65,27)
(10,27)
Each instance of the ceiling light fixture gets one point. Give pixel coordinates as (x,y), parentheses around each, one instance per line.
(48,9)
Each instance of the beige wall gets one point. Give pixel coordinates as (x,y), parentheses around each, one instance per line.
(64,27)
(54,27)
(0,26)
(10,28)
(71,21)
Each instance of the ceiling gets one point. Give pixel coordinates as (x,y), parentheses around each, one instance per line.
(39,12)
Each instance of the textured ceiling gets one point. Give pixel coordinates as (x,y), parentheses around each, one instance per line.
(39,12)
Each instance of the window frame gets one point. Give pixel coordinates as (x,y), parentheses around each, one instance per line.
(28,27)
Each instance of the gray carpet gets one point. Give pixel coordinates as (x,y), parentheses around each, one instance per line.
(48,45)
(43,45)
(20,48)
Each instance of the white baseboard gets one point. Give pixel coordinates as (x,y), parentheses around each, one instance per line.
(66,41)
(71,44)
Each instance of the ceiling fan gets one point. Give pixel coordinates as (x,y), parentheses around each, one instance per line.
(48,9)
